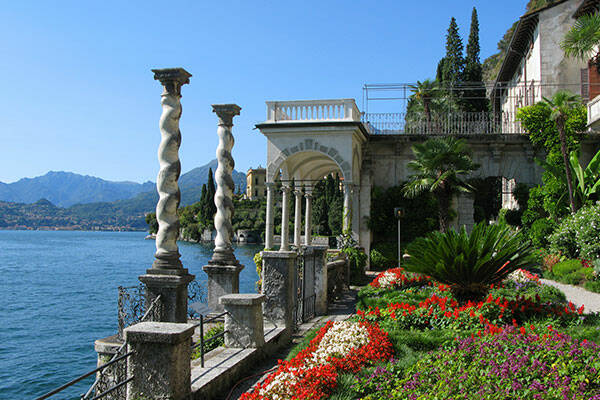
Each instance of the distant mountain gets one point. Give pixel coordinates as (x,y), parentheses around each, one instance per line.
(123,213)
(64,189)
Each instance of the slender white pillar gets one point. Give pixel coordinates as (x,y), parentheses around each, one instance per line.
(298,219)
(223,253)
(308,220)
(270,216)
(348,189)
(285,218)
(167,253)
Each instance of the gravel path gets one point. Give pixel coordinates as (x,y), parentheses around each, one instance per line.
(578,296)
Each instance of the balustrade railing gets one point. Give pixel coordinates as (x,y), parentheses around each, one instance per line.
(452,123)
(312,110)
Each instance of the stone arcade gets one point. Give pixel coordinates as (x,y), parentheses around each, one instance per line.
(309,139)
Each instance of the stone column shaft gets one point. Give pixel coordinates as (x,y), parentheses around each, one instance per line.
(223,253)
(270,216)
(308,220)
(285,219)
(167,253)
(347,207)
(298,219)
(167,278)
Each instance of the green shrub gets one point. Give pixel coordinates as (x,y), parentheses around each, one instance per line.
(215,330)
(540,230)
(566,267)
(470,263)
(358,261)
(592,286)
(578,235)
(378,260)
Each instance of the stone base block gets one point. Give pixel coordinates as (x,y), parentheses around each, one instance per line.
(222,280)
(279,286)
(172,288)
(160,363)
(244,321)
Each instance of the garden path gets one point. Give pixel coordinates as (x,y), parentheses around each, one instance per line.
(578,296)
(339,310)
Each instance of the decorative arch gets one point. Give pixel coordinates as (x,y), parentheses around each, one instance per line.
(332,155)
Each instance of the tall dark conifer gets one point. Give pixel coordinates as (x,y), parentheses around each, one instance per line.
(474,96)
(211,208)
(454,61)
(202,217)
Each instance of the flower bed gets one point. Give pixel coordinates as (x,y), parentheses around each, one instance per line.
(441,312)
(397,278)
(516,364)
(312,374)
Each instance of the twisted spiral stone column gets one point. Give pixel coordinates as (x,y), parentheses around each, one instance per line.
(167,253)
(223,253)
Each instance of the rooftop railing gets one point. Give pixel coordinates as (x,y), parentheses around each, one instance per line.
(312,111)
(451,123)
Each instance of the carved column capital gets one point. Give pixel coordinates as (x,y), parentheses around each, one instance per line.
(308,195)
(285,188)
(298,193)
(172,79)
(226,112)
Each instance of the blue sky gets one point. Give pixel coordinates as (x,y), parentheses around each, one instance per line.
(78,94)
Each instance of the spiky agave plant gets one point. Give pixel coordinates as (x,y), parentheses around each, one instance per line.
(470,263)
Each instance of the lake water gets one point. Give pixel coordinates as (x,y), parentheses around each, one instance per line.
(58,294)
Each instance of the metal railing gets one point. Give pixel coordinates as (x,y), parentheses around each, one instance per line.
(100,370)
(87,374)
(200,344)
(451,123)
(120,349)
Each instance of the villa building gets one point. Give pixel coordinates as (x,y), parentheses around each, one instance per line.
(255,183)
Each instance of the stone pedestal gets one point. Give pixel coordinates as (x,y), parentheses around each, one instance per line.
(317,256)
(160,363)
(106,349)
(172,287)
(222,280)
(244,322)
(279,287)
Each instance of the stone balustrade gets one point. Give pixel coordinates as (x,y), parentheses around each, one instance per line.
(593,111)
(313,110)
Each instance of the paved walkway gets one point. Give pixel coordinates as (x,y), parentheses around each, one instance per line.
(340,310)
(578,295)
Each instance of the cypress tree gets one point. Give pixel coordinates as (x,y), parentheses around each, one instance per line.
(211,208)
(202,217)
(454,62)
(474,93)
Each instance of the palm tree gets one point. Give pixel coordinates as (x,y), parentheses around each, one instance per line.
(561,105)
(582,40)
(438,168)
(425,92)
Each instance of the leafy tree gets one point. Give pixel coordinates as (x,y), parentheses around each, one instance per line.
(439,167)
(335,216)
(583,39)
(152,222)
(474,95)
(561,104)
